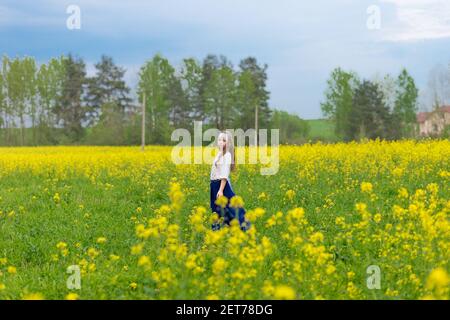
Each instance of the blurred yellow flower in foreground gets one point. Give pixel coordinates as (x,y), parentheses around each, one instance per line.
(283,292)
(236,202)
(72,296)
(33,296)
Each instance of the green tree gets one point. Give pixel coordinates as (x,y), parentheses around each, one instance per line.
(370,117)
(6,105)
(211,63)
(155,79)
(191,80)
(30,89)
(180,108)
(107,102)
(438,90)
(106,87)
(388,86)
(71,109)
(406,107)
(49,79)
(16,94)
(339,100)
(219,97)
(253,94)
(2,101)
(247,101)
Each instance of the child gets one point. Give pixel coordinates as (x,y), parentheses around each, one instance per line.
(220,185)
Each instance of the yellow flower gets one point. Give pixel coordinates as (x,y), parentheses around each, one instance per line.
(262,196)
(57,198)
(163,210)
(290,194)
(339,221)
(144,261)
(101,240)
(271,222)
(72,296)
(316,237)
(33,296)
(366,187)
(438,278)
(176,196)
(433,188)
(403,193)
(283,292)
(114,257)
(391,293)
(236,202)
(352,290)
(361,207)
(92,252)
(12,270)
(397,172)
(133,285)
(61,245)
(219,265)
(377,218)
(252,215)
(190,262)
(268,289)
(221,201)
(330,269)
(137,249)
(297,213)
(444,173)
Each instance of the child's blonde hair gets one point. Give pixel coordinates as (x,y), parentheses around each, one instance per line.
(229,147)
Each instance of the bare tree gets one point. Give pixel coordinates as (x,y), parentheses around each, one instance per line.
(438,93)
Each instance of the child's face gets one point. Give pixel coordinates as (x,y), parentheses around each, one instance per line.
(222,142)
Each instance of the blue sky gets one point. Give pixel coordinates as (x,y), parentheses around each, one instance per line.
(301,41)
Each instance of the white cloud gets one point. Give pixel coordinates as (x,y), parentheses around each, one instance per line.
(418,20)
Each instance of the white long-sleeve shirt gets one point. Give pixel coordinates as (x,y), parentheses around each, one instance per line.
(221,166)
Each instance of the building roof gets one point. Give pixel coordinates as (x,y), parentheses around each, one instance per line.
(445,109)
(422,116)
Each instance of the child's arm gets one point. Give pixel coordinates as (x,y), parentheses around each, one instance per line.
(222,186)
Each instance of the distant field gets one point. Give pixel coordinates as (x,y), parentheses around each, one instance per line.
(321,128)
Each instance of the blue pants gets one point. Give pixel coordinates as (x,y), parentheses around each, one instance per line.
(228,213)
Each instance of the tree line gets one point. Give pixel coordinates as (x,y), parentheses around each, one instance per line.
(57,103)
(381,108)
